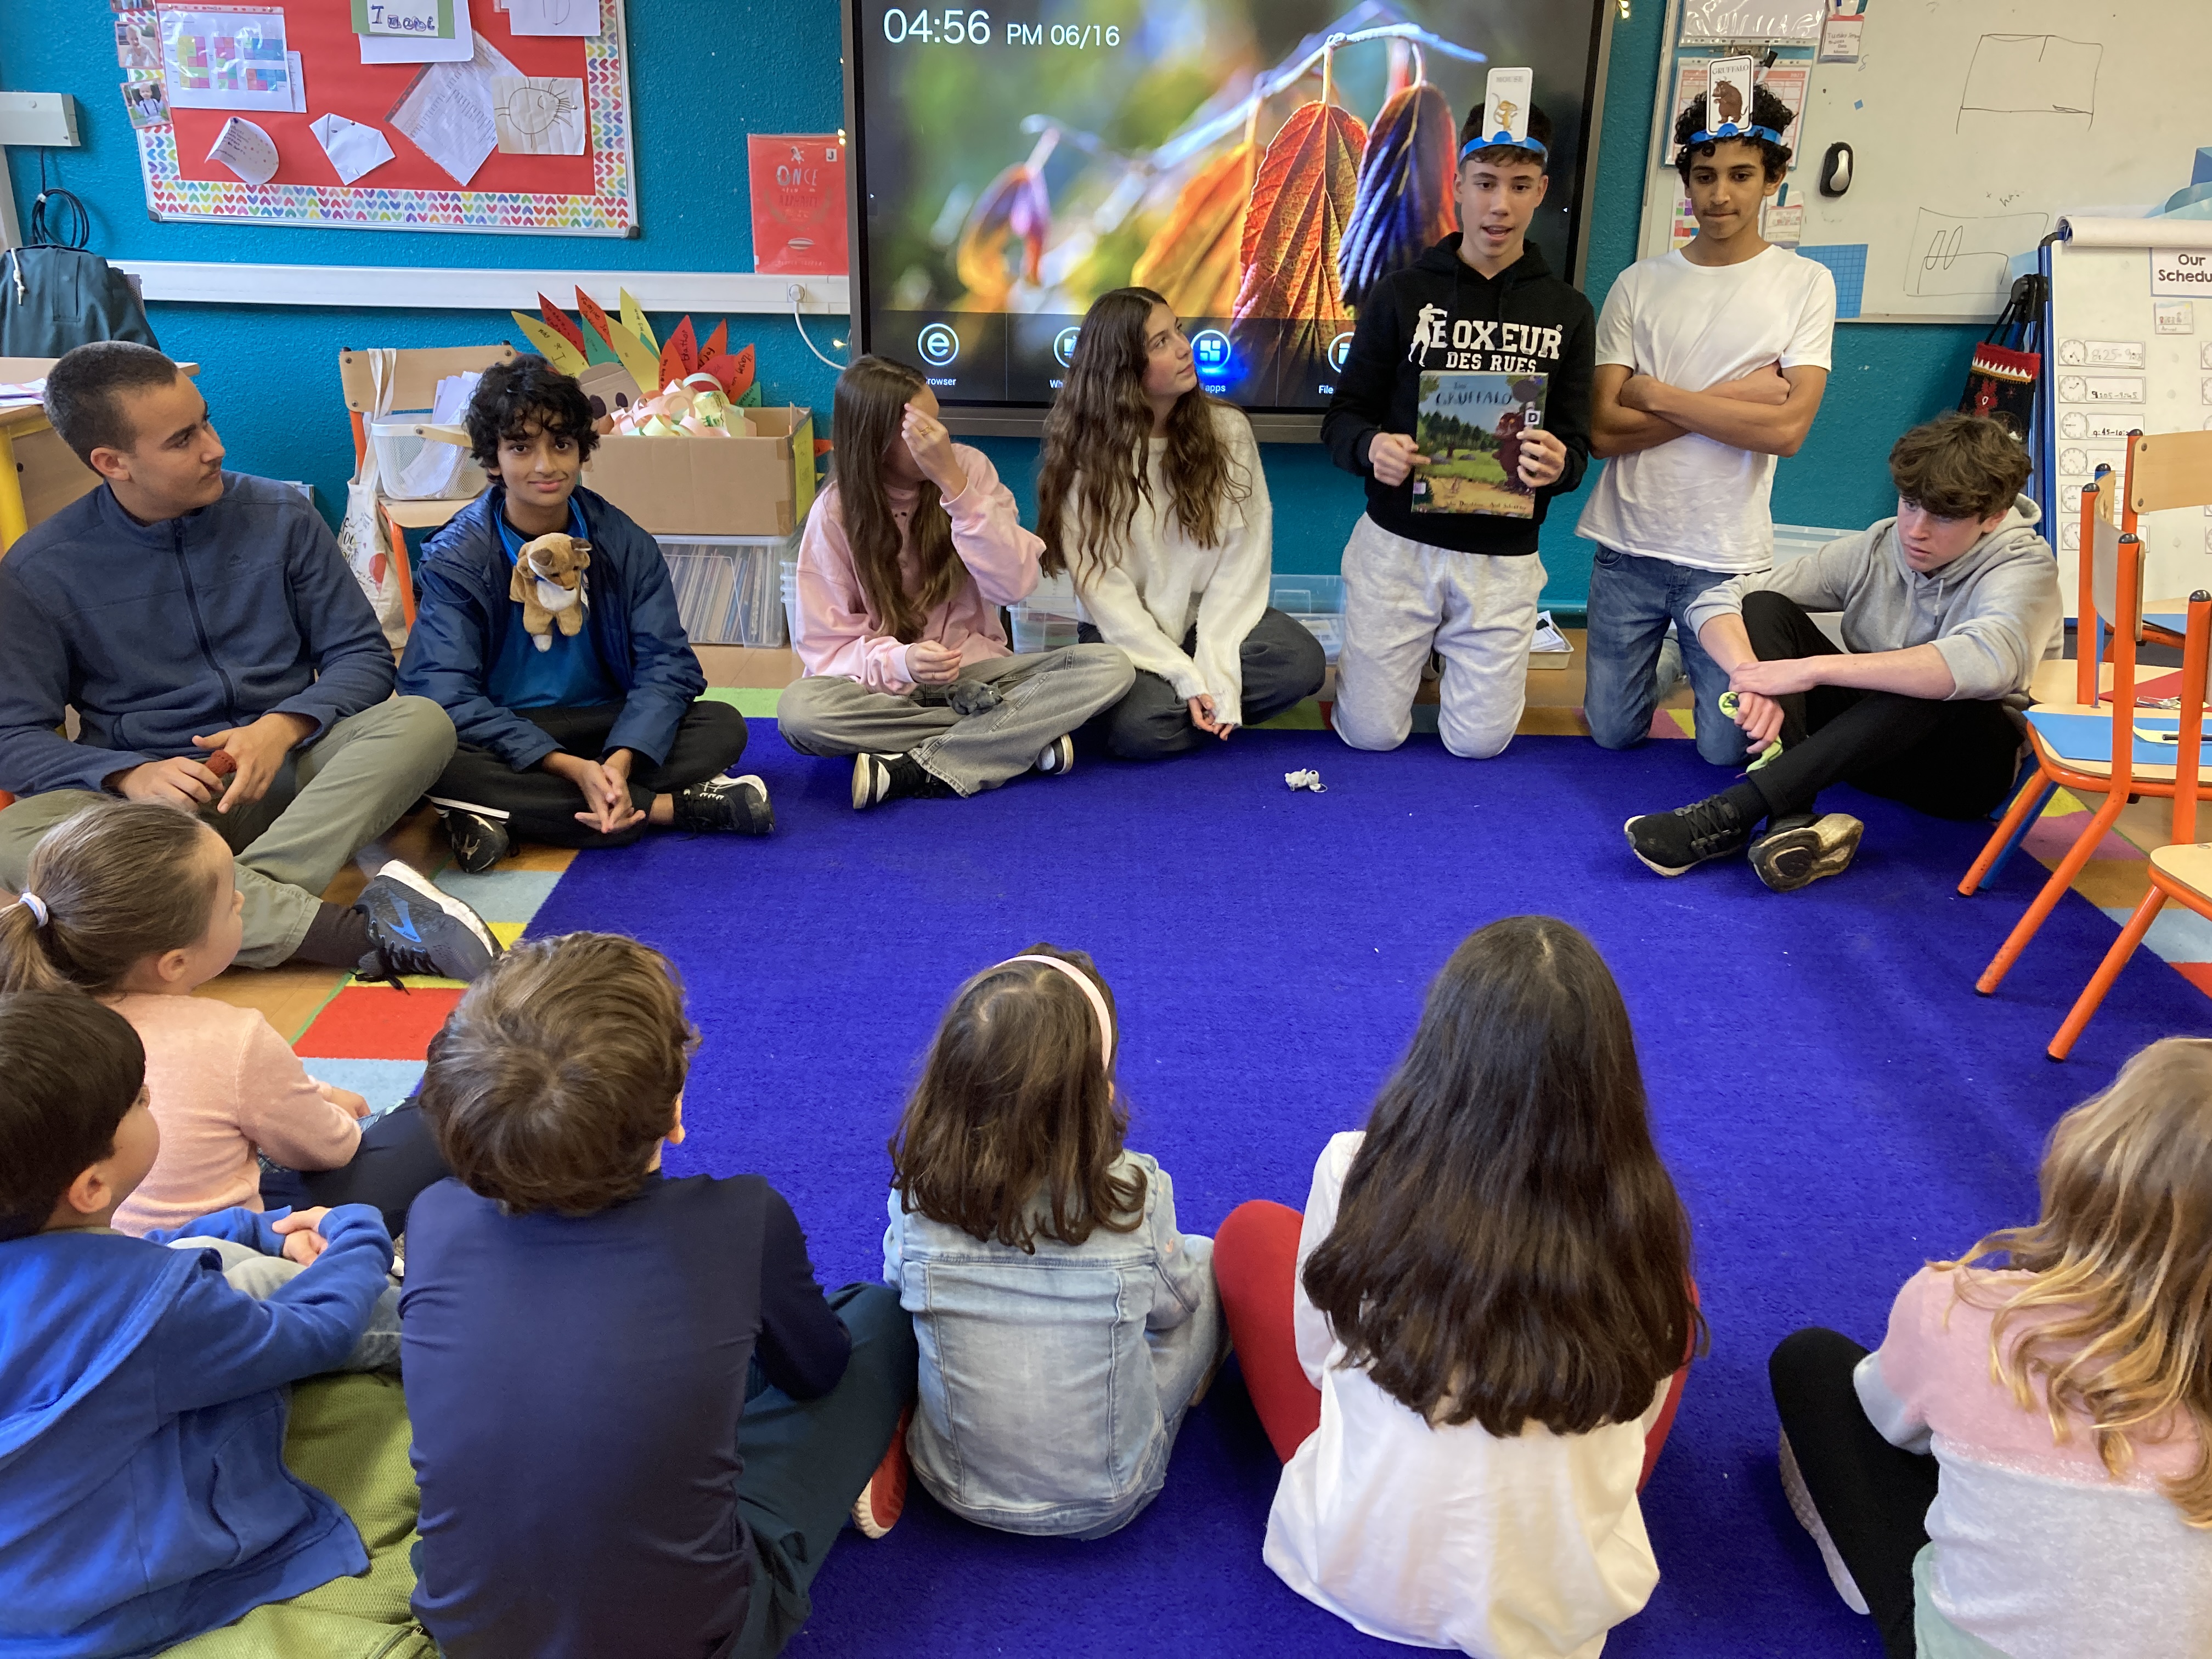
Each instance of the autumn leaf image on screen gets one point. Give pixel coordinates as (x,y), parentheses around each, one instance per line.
(1266,206)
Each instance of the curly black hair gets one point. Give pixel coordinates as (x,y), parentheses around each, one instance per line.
(1767,111)
(512,397)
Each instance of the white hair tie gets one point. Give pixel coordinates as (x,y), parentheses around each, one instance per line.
(1090,989)
(36,906)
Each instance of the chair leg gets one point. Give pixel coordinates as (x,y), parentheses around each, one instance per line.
(2019,836)
(2053,890)
(2026,806)
(2093,994)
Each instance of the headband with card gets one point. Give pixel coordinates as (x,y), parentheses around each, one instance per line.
(1729,92)
(1506,102)
(1091,991)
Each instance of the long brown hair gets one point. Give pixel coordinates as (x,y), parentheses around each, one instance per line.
(121,881)
(2114,1326)
(1508,1246)
(1014,1130)
(1093,467)
(866,416)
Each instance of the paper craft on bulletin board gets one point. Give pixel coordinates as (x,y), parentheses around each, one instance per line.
(386,114)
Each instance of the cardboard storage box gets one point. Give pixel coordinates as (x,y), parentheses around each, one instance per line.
(756,486)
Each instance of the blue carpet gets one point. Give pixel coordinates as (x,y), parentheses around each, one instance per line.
(1835,1100)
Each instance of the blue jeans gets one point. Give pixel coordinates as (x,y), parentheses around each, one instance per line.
(1631,600)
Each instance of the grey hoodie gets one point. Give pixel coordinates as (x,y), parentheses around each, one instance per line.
(1994,611)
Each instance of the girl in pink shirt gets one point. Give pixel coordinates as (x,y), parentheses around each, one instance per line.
(2022,1469)
(908,557)
(137,904)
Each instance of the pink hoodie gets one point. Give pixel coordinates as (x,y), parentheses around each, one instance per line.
(840,633)
(222,1085)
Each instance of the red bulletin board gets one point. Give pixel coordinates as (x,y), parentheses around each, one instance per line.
(591,191)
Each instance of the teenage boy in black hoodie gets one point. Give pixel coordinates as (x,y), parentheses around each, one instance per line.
(1463,584)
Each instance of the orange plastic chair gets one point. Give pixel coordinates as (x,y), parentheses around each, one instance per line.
(2182,871)
(2069,752)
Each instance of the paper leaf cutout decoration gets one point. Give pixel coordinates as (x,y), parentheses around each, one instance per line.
(680,356)
(1194,259)
(594,316)
(717,343)
(1301,201)
(1015,205)
(558,321)
(1404,206)
(644,366)
(549,345)
(750,397)
(734,370)
(633,317)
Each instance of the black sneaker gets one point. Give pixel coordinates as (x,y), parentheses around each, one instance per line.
(420,931)
(879,778)
(737,805)
(1802,848)
(478,842)
(1671,842)
(1057,758)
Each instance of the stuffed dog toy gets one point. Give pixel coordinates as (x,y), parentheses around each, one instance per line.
(549,582)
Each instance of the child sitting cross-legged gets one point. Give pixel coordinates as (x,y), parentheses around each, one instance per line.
(1065,1325)
(582,738)
(137,904)
(1469,1352)
(638,1423)
(2023,1469)
(143,1496)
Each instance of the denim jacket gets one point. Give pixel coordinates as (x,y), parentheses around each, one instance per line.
(1039,1409)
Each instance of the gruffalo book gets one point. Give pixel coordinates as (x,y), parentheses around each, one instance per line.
(1469,426)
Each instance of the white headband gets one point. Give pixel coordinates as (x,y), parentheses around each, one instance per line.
(1090,990)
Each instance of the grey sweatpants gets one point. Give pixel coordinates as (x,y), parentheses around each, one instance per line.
(1403,600)
(329,800)
(1042,697)
(245,1268)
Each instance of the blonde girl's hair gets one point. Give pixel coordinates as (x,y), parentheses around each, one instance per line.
(2114,1326)
(1016,1127)
(118,882)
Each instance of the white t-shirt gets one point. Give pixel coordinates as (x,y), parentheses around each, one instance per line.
(1695,501)
(1527,1548)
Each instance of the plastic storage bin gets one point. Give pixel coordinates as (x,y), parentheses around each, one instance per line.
(398,449)
(1315,604)
(1046,621)
(726,586)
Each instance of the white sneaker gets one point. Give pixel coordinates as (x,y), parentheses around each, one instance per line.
(1801,1505)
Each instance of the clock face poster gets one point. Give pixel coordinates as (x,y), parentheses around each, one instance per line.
(800,225)
(1261,163)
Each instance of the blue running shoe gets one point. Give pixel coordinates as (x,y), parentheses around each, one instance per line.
(421,930)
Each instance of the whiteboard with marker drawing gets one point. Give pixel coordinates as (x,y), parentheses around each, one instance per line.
(1976,123)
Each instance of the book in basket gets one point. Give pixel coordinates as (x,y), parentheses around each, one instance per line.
(1469,426)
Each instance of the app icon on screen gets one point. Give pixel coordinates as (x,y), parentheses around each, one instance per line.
(939,344)
(1063,346)
(1209,350)
(1339,351)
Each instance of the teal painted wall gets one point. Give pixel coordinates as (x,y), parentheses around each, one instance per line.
(701,73)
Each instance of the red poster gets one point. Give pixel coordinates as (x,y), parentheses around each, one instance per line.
(798,203)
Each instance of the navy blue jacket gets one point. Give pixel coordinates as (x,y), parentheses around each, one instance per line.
(157,634)
(464,614)
(143,1496)
(577,1385)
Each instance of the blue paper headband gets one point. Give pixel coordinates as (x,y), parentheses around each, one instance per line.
(1730,129)
(1505,140)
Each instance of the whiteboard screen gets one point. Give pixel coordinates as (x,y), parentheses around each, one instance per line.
(1976,123)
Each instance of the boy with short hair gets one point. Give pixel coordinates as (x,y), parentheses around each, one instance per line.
(613,719)
(1711,362)
(1463,585)
(1947,608)
(141,1397)
(639,1423)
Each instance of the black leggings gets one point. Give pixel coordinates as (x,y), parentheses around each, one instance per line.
(1950,759)
(1872,1497)
(396,1160)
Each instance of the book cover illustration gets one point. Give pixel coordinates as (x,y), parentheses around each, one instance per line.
(1469,426)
